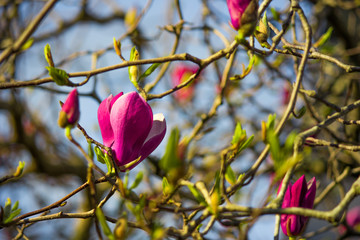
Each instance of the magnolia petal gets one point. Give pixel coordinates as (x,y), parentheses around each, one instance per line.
(286,203)
(155,136)
(298,192)
(310,194)
(153,140)
(104,121)
(287,197)
(131,120)
(113,100)
(309,198)
(236,9)
(293,226)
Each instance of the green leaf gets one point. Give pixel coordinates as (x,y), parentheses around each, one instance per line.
(138,209)
(15,206)
(300,112)
(12,215)
(274,143)
(170,159)
(102,220)
(239,139)
(324,38)
(27,44)
(10,212)
(108,161)
(275,14)
(284,166)
(19,169)
(149,71)
(240,177)
(7,208)
(271,121)
(59,76)
(246,144)
(230,175)
(99,155)
(238,134)
(199,226)
(48,55)
(130,164)
(167,188)
(134,54)
(289,142)
(137,180)
(199,198)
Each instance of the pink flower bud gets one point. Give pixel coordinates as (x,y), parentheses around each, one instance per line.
(128,126)
(236,10)
(70,113)
(285,95)
(180,75)
(299,194)
(353,217)
(243,14)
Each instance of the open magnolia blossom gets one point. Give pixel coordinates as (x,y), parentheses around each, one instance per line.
(129,128)
(299,194)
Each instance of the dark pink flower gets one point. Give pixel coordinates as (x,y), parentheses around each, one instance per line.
(236,10)
(299,194)
(353,217)
(352,220)
(285,95)
(70,113)
(180,75)
(128,126)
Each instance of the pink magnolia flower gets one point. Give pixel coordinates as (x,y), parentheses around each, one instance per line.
(299,194)
(70,113)
(285,95)
(352,220)
(180,75)
(353,217)
(128,126)
(236,10)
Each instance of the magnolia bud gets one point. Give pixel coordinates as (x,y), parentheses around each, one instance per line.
(48,56)
(70,113)
(243,15)
(117,46)
(249,19)
(134,70)
(262,32)
(130,17)
(120,229)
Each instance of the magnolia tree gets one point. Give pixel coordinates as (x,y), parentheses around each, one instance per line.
(231,119)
